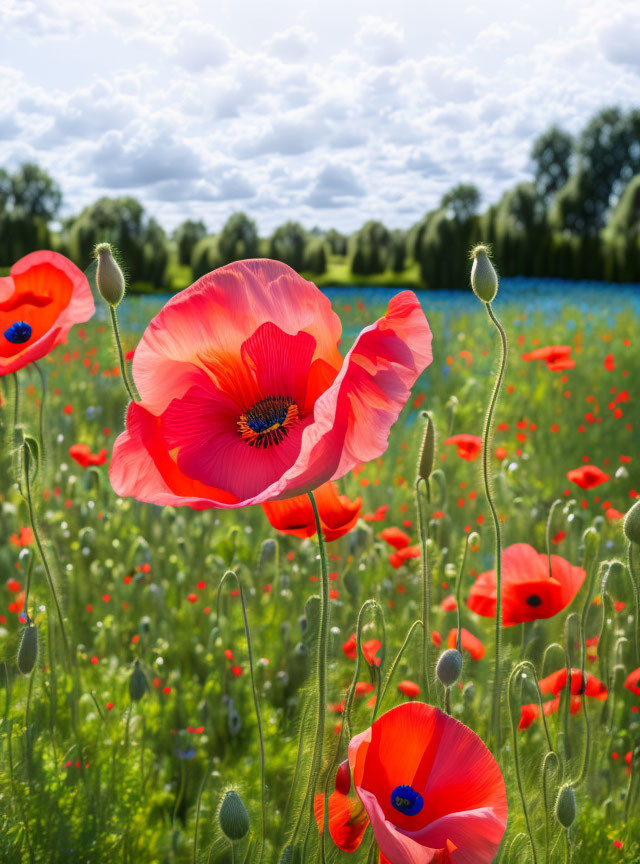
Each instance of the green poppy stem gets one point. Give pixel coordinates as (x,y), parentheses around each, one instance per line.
(487,437)
(123,367)
(426,587)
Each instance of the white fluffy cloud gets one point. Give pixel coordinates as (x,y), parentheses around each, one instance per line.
(368,110)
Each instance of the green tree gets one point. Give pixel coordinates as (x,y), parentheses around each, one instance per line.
(461,203)
(34,194)
(397,259)
(315,257)
(337,242)
(204,257)
(623,236)
(288,243)
(238,239)
(185,236)
(121,221)
(551,154)
(370,249)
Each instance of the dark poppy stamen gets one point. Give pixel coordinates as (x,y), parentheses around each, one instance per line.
(268,421)
(407,800)
(18,333)
(534,600)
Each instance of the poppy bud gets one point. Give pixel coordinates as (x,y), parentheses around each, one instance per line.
(566,807)
(28,650)
(233,816)
(343,778)
(631,524)
(267,550)
(427,450)
(449,667)
(109,278)
(474,541)
(137,683)
(484,279)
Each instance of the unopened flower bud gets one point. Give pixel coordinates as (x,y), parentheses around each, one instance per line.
(484,279)
(28,650)
(137,683)
(233,816)
(631,524)
(427,450)
(566,807)
(343,778)
(474,541)
(109,277)
(449,667)
(267,550)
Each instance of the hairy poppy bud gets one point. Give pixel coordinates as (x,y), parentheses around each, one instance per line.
(233,816)
(28,650)
(427,450)
(267,550)
(631,524)
(449,667)
(484,279)
(109,278)
(137,683)
(343,778)
(566,807)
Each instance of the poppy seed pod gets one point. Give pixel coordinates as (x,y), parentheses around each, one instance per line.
(233,816)
(449,667)
(566,807)
(427,450)
(631,524)
(28,650)
(484,279)
(109,277)
(137,683)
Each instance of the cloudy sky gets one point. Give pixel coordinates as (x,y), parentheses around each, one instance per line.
(329,112)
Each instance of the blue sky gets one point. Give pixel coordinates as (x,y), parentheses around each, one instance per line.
(328,112)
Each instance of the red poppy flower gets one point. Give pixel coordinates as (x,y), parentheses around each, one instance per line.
(25,538)
(555,356)
(409,688)
(557,681)
(84,457)
(379,516)
(529,713)
(246,399)
(41,299)
(528,593)
(587,476)
(633,681)
(338,514)
(468,641)
(449,603)
(395,537)
(427,784)
(397,559)
(469,446)
(370,649)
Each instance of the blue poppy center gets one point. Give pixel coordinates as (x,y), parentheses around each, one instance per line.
(268,421)
(407,800)
(18,333)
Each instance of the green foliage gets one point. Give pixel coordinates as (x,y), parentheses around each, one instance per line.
(238,239)
(370,249)
(186,236)
(288,243)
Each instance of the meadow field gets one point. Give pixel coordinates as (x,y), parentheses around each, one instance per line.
(138,713)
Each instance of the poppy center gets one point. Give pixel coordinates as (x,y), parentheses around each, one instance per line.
(18,333)
(268,421)
(406,800)
(534,600)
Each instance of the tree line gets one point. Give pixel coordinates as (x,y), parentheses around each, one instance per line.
(578,218)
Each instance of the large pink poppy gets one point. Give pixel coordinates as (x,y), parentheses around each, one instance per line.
(429,787)
(41,299)
(245,397)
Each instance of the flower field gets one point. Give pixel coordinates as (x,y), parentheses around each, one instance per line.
(208,683)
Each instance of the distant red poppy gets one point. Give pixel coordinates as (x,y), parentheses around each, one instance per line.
(25,538)
(338,513)
(41,299)
(633,681)
(84,457)
(395,537)
(469,446)
(527,591)
(557,681)
(469,642)
(555,356)
(449,604)
(370,650)
(530,712)
(587,476)
(397,559)
(379,515)
(409,688)
(428,786)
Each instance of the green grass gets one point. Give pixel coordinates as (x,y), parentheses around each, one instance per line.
(139,582)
